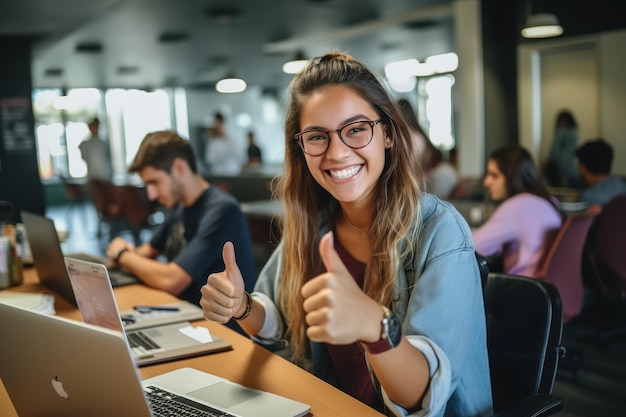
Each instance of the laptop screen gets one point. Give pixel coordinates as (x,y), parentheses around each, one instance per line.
(94,294)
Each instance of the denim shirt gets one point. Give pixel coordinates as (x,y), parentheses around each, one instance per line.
(438,298)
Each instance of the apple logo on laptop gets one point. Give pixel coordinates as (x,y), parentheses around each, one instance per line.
(58,388)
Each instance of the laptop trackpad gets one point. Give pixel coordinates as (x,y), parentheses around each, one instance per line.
(224,395)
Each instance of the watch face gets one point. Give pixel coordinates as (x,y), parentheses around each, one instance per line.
(393,329)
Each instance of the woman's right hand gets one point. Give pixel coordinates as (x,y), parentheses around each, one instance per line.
(223,294)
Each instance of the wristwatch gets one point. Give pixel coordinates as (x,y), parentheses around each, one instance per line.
(119,253)
(390,334)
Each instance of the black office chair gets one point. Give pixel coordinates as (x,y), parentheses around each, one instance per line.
(607,258)
(524,329)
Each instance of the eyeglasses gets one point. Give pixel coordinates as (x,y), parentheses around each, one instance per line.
(355,135)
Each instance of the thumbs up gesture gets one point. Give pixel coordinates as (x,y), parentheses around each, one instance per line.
(337,310)
(223,293)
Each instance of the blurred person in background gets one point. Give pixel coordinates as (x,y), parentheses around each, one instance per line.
(96,154)
(222,155)
(526,217)
(595,160)
(560,169)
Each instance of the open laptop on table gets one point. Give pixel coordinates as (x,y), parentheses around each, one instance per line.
(149,342)
(48,257)
(52,366)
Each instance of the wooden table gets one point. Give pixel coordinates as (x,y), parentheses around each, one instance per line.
(248,363)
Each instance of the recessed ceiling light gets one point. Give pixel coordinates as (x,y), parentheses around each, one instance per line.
(127,69)
(173,37)
(218,60)
(223,13)
(89,47)
(54,72)
(421,24)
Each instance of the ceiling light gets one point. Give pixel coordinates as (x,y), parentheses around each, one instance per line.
(295,65)
(89,47)
(127,69)
(230,84)
(542,25)
(224,14)
(54,72)
(173,37)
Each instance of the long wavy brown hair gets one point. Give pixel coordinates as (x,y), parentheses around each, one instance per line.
(307,205)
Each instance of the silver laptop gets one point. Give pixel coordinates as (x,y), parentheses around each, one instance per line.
(149,344)
(52,366)
(48,257)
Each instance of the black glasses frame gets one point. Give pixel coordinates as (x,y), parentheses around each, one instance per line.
(298,136)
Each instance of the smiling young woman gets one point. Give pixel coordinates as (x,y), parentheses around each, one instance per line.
(374,281)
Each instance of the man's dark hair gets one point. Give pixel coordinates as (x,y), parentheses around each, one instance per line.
(596,155)
(159,149)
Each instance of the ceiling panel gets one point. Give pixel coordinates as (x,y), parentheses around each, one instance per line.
(254,42)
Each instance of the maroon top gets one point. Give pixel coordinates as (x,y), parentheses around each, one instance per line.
(349,360)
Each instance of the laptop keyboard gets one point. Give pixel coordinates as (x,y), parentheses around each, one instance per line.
(166,404)
(140,340)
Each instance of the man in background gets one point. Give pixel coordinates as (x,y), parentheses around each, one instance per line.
(96,154)
(595,159)
(200,218)
(254,152)
(222,155)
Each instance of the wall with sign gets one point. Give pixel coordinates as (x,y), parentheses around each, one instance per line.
(19,175)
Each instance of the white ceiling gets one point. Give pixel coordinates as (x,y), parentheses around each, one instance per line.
(253,44)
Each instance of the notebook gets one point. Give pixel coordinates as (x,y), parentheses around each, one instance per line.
(48,257)
(52,366)
(149,344)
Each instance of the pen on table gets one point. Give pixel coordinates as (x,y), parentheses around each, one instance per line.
(147,309)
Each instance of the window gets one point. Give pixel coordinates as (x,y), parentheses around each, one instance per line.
(126,116)
(435,99)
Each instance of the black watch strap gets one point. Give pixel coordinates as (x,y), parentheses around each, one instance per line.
(119,253)
(390,334)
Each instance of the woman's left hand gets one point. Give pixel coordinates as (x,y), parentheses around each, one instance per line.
(337,310)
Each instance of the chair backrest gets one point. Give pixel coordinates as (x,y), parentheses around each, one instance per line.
(524,330)
(562,263)
(106,200)
(608,243)
(136,208)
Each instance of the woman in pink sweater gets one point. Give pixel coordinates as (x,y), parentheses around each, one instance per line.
(527,216)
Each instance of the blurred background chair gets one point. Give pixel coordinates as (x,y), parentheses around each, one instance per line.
(77,194)
(562,263)
(108,205)
(607,256)
(137,210)
(121,208)
(524,330)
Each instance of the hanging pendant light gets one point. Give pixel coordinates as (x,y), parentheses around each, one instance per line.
(542,25)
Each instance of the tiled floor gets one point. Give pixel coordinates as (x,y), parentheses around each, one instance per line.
(598,390)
